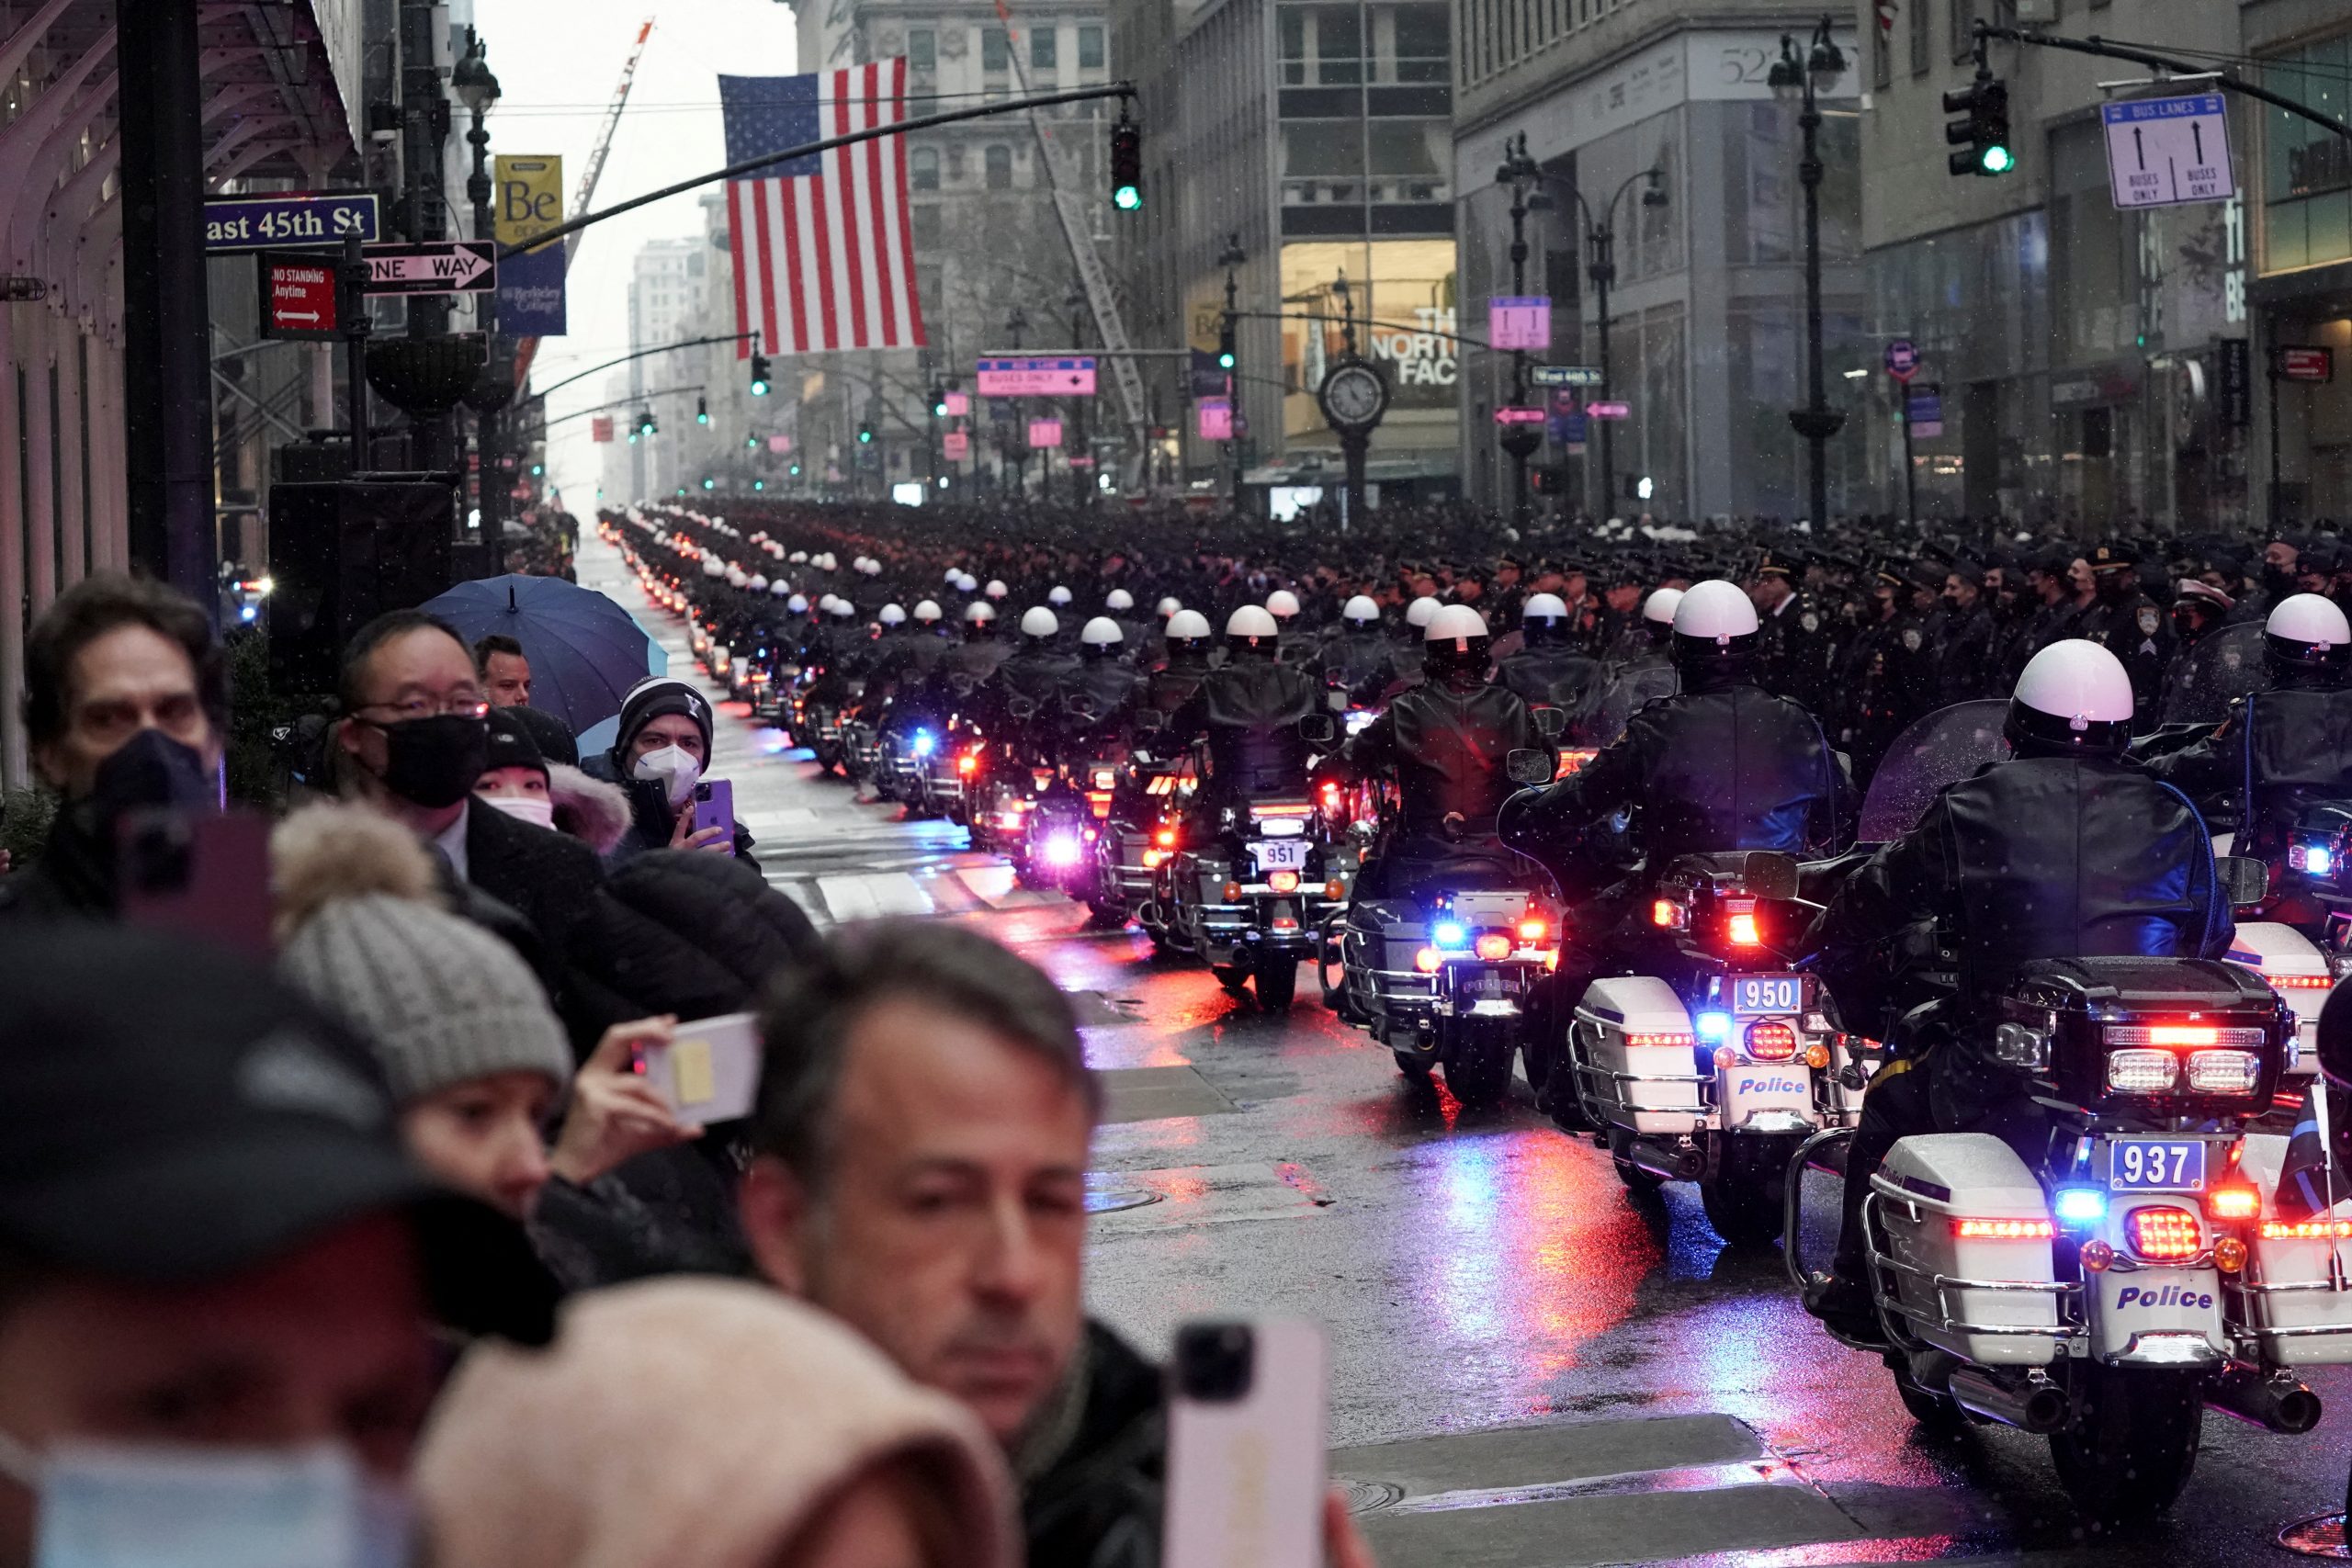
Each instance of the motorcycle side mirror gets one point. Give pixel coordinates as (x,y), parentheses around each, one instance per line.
(1549,722)
(1318,727)
(1528,767)
(1767,874)
(2335,1037)
(1150,721)
(2244,879)
(1021,707)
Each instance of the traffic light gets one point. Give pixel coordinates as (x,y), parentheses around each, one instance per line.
(938,401)
(759,375)
(759,484)
(865,435)
(702,412)
(645,425)
(709,483)
(537,468)
(1126,164)
(751,442)
(1984,129)
(1224,345)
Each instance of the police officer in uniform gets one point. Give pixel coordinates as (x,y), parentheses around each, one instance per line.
(1793,642)
(2129,624)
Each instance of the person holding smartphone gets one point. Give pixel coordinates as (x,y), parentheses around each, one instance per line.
(660,751)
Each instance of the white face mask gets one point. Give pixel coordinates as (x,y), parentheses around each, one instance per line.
(675,767)
(536,809)
(116,1505)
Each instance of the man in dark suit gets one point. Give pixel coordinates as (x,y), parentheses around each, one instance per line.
(414,739)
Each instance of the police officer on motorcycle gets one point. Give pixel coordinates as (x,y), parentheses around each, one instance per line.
(1248,709)
(1547,671)
(2070,849)
(2281,751)
(1356,661)
(1104,682)
(1721,765)
(1445,743)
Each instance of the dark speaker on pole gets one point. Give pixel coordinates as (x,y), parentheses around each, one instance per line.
(342,553)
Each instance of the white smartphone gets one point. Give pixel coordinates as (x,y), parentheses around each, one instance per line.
(709,1071)
(1246,1462)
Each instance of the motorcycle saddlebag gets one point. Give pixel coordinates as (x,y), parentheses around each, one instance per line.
(1640,1056)
(2297,1306)
(1963,1248)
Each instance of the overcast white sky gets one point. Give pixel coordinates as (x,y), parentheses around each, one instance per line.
(557,66)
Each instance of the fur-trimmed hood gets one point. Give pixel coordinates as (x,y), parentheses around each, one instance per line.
(590,810)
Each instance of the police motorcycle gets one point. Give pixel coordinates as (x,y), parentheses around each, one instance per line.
(955,777)
(1699,1051)
(1137,831)
(832,690)
(2166,1256)
(862,717)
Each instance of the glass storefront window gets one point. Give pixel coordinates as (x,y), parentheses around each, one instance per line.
(2307,172)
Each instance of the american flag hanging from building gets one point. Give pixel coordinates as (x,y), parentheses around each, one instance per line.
(823,249)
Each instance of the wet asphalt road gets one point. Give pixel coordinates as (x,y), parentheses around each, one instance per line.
(1531,1365)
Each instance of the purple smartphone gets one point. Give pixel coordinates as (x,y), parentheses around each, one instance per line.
(714,807)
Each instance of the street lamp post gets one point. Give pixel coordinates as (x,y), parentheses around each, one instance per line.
(1522,173)
(1600,249)
(477,88)
(1231,259)
(1016,446)
(1800,80)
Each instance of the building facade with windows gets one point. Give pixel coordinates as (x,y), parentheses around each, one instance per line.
(2095,368)
(989,243)
(1706,332)
(1318,137)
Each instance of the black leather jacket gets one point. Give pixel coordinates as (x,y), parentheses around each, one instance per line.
(1358,663)
(1250,710)
(2278,753)
(2037,857)
(1731,767)
(1446,749)
(1549,675)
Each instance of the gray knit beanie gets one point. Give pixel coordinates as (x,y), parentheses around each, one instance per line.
(442,1000)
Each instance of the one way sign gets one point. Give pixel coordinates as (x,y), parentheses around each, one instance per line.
(449,266)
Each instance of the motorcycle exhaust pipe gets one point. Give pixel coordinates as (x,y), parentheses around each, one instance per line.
(2275,1405)
(1147,913)
(1665,1162)
(2037,1406)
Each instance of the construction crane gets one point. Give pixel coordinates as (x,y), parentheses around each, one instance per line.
(1071,206)
(529,347)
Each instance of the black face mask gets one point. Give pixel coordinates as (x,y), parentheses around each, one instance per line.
(2276,578)
(434,761)
(150,770)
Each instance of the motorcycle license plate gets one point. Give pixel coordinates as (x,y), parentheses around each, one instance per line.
(2155,1165)
(1754,996)
(1279,854)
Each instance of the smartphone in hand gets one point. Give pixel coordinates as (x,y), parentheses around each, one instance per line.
(709,1071)
(714,807)
(1246,1466)
(203,874)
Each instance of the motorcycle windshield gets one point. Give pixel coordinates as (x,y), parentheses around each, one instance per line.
(1945,747)
(1618,699)
(2223,668)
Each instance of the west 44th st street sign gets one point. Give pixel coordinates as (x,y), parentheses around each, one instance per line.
(449,266)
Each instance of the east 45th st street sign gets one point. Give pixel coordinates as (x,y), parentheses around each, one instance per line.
(450,266)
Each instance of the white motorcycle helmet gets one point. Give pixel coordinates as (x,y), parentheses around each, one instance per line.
(1119,601)
(1040,623)
(978,613)
(1544,607)
(1659,607)
(1057,596)
(779,589)
(965,582)
(800,557)
(797,603)
(1418,613)
(1363,610)
(1188,629)
(758,583)
(954,574)
(1168,607)
(2306,632)
(713,567)
(1101,634)
(892,615)
(1714,628)
(1281,603)
(1455,644)
(996,589)
(2075,696)
(1251,630)
(927,612)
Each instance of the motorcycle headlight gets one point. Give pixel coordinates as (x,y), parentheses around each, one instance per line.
(2142,1072)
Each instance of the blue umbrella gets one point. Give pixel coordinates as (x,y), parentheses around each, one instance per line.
(585,650)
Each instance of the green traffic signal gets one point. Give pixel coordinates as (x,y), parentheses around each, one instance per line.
(1225,360)
(709,483)
(865,434)
(1996,159)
